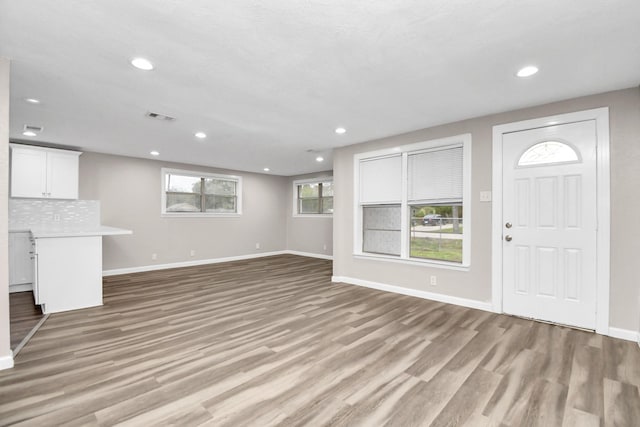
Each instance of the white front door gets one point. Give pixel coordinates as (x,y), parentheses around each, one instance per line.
(549,225)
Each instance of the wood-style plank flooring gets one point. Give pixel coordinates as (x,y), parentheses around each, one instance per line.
(24,316)
(272,341)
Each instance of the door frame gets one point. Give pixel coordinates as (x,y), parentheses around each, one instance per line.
(601,117)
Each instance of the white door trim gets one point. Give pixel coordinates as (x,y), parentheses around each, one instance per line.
(601,116)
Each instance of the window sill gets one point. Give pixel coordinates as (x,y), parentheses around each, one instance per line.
(199,215)
(422,263)
(297,215)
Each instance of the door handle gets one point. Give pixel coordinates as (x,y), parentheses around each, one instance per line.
(508,238)
(508,225)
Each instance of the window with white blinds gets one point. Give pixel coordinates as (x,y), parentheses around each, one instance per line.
(412,202)
(435,176)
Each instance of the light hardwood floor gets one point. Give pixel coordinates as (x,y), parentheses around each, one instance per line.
(272,341)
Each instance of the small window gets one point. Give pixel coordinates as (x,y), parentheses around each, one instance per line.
(313,197)
(548,152)
(187,193)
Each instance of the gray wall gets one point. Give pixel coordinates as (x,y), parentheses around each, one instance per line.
(308,234)
(129,193)
(624,109)
(5,339)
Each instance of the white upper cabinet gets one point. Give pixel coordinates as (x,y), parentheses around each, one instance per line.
(38,172)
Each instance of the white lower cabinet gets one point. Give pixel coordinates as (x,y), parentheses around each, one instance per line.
(20,261)
(68,273)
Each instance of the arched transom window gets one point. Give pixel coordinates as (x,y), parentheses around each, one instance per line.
(548,152)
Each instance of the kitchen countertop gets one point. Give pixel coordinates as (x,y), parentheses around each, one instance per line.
(40,232)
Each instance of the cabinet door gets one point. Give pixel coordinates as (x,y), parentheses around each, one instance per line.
(28,173)
(20,261)
(62,175)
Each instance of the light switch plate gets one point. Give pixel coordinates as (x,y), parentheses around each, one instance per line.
(485,196)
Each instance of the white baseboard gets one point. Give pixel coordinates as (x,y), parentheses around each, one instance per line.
(623,334)
(464,302)
(6,362)
(309,254)
(24,287)
(143,268)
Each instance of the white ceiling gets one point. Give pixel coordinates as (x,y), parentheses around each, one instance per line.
(270,80)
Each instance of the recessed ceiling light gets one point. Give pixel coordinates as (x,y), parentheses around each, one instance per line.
(142,64)
(266,169)
(340,131)
(155,153)
(319,159)
(32,100)
(28,133)
(200,135)
(527,71)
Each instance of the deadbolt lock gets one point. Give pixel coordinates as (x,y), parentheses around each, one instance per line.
(508,225)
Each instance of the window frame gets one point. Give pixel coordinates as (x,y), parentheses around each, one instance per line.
(295,191)
(463,140)
(191,173)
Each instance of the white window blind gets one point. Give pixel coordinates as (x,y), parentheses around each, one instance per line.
(436,176)
(381,180)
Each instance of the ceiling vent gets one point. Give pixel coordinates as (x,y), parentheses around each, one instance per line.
(158,116)
(32,128)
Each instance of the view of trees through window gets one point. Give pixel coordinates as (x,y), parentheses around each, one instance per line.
(315,198)
(436,232)
(186,193)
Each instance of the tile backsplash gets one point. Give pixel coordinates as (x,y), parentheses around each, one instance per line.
(24,213)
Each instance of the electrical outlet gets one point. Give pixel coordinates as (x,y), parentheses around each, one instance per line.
(154,256)
(257,245)
(192,252)
(433,281)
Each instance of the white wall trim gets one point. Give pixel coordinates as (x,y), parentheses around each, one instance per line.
(23,287)
(128,270)
(623,334)
(6,362)
(601,116)
(464,302)
(143,268)
(309,254)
